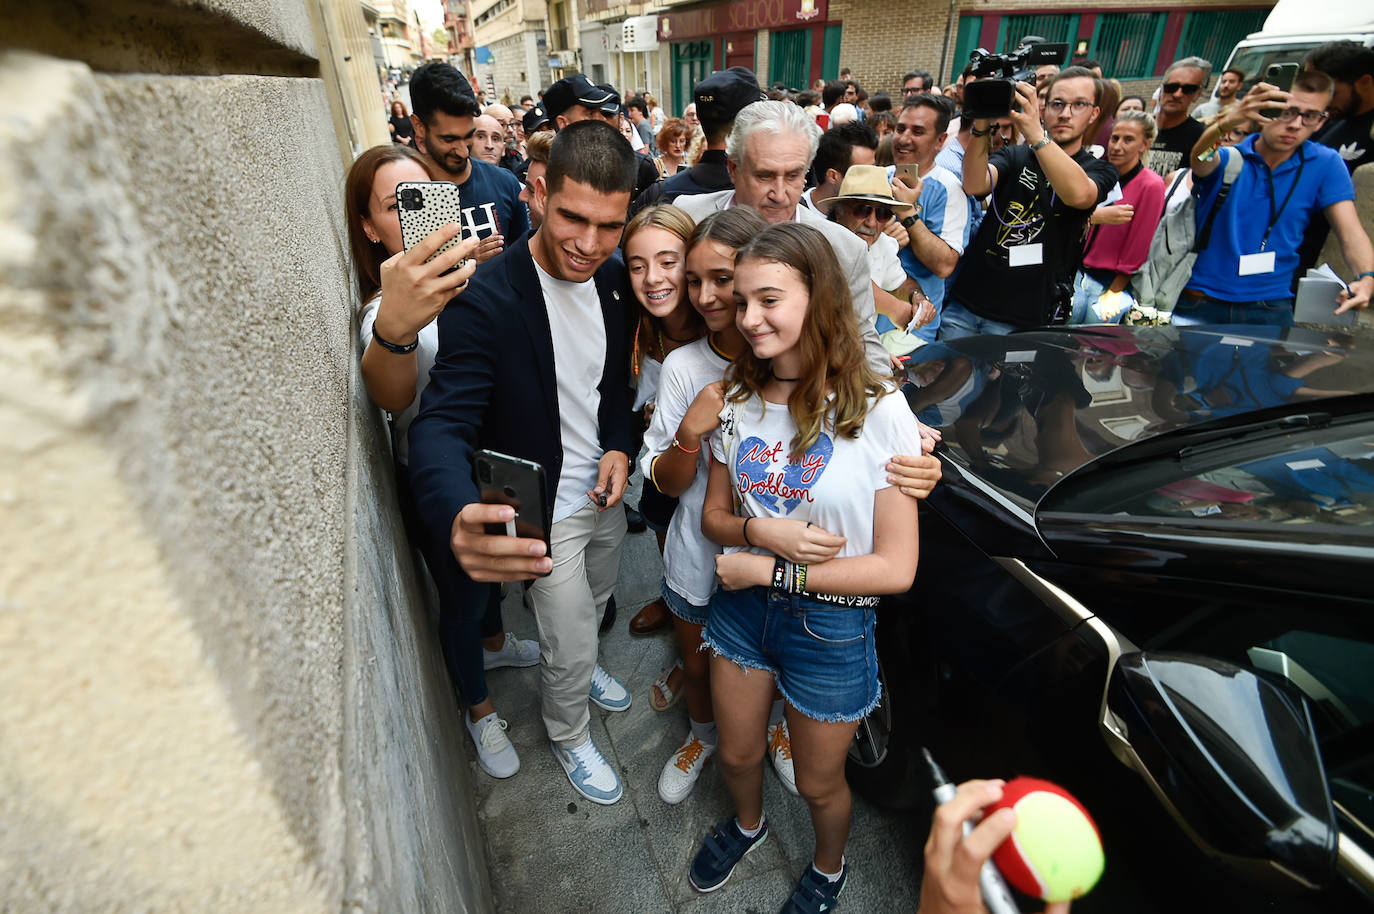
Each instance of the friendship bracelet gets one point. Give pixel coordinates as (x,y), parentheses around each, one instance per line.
(679,446)
(799,578)
(779,574)
(746,528)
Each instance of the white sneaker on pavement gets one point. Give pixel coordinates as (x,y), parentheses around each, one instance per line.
(682,769)
(780,753)
(495,753)
(607,692)
(513,652)
(589,772)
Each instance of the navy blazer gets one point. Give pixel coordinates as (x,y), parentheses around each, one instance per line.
(493,384)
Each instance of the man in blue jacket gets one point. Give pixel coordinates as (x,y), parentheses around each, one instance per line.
(534,362)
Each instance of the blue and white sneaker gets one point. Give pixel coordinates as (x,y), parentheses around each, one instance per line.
(814,893)
(721,851)
(513,652)
(589,772)
(607,692)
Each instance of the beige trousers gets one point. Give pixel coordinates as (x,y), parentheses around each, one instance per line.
(567,606)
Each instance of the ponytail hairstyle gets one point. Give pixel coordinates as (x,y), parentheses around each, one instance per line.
(836,383)
(676,222)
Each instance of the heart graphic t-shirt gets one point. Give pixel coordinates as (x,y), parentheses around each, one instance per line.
(831,485)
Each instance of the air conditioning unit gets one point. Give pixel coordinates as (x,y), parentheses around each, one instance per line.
(639,33)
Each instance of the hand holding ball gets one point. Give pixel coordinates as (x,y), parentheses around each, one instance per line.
(1054,853)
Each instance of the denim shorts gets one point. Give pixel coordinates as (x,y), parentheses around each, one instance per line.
(823,656)
(678,606)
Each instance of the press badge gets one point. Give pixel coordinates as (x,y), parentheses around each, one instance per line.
(1030,255)
(1250,264)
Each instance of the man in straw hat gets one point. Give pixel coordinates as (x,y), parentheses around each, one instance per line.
(864,205)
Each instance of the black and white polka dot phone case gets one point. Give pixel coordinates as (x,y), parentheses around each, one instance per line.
(424,207)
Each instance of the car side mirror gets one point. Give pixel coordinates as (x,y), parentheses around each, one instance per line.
(1232,755)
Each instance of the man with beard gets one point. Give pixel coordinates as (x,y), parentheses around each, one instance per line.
(1177,131)
(1018,267)
(444,111)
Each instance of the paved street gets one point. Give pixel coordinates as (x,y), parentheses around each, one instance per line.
(551,850)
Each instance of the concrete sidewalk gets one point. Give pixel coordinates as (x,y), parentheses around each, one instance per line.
(552,851)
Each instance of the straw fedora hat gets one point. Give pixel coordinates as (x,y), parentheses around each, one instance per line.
(869,184)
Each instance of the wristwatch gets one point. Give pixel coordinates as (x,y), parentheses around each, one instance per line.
(911,220)
(1044,141)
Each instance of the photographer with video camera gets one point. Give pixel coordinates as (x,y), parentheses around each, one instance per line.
(1042,195)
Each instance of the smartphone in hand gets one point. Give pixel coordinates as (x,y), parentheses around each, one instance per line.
(506,480)
(424,208)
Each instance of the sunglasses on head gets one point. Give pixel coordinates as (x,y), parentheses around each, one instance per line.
(863,210)
(1185,88)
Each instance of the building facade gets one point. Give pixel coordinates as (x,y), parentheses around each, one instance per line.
(458,24)
(512,50)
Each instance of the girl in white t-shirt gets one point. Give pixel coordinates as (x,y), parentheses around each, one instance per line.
(800,460)
(675,463)
(399,332)
(654,246)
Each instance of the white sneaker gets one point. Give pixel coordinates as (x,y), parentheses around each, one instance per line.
(495,753)
(589,772)
(513,652)
(780,753)
(607,692)
(682,769)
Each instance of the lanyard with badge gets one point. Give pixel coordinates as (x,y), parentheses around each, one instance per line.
(1263,262)
(1024,255)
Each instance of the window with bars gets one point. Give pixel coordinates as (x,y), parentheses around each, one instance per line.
(1127,44)
(1211,34)
(1053,27)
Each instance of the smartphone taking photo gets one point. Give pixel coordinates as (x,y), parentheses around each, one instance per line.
(425,207)
(506,480)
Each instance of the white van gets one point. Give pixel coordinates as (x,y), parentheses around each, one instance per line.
(1295,27)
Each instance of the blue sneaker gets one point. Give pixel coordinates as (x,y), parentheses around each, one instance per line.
(814,893)
(721,851)
(589,772)
(607,692)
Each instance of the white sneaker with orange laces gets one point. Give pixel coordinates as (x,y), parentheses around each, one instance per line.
(780,753)
(682,769)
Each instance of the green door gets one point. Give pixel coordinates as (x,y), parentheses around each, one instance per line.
(693,61)
(830,53)
(789,58)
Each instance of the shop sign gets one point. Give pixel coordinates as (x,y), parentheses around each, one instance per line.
(739,16)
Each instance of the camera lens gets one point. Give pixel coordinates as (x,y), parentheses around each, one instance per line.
(484,472)
(510,493)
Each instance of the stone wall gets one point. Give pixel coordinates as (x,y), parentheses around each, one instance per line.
(222,690)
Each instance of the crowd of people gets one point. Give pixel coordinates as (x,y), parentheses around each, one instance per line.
(721,301)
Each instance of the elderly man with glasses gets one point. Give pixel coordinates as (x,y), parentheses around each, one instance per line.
(1244,273)
(1183,82)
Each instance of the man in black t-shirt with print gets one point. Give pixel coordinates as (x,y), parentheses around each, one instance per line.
(1178,132)
(1042,195)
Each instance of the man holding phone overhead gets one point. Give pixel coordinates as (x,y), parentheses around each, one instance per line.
(445,111)
(534,363)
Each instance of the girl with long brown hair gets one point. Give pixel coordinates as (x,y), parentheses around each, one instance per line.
(800,462)
(402,296)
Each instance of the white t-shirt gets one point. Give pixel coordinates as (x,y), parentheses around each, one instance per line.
(579,346)
(834,483)
(689,558)
(646,382)
(884,263)
(424,361)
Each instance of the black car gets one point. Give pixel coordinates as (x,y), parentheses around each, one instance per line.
(1148,575)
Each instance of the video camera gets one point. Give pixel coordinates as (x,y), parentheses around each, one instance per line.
(988,98)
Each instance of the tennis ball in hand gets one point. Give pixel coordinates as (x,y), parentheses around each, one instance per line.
(1055,852)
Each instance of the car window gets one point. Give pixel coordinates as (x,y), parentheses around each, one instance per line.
(1335,671)
(1319,476)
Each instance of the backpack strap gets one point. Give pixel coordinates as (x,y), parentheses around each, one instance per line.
(1234,160)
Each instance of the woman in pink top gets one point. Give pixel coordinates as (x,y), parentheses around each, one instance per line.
(1119,239)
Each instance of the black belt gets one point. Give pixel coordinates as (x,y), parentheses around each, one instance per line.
(852,602)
